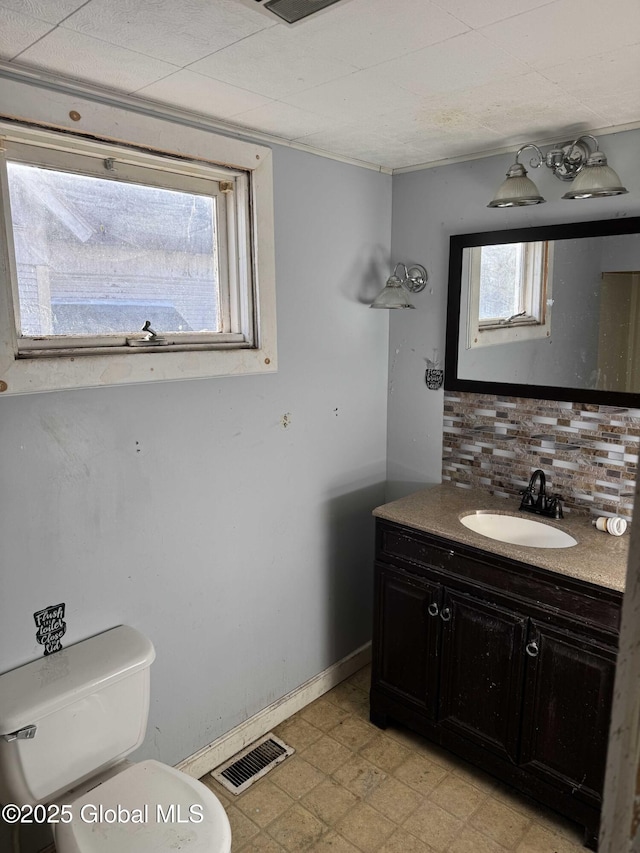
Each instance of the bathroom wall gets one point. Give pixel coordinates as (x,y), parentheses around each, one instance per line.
(428,207)
(228,519)
(589,453)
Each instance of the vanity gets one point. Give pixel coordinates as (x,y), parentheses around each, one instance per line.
(504,654)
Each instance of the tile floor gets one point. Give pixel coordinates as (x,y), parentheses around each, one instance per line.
(352,788)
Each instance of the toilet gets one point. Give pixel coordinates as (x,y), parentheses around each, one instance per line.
(67,723)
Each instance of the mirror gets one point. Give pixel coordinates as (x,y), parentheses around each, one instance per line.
(550,312)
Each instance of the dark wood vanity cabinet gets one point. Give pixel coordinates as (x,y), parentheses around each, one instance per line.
(509,666)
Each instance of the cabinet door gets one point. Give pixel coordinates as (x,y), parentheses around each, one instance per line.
(405,637)
(567,708)
(482,672)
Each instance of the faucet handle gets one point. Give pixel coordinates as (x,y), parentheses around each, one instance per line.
(527,497)
(555,505)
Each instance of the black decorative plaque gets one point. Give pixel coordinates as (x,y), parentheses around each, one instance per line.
(51,627)
(434,377)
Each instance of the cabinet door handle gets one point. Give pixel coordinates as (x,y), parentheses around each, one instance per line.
(532,649)
(446,614)
(432,609)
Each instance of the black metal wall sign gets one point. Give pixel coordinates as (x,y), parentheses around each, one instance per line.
(434,374)
(51,627)
(434,377)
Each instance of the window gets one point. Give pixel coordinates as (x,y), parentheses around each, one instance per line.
(117,252)
(509,286)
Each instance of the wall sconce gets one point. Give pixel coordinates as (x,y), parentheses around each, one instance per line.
(579,161)
(394,293)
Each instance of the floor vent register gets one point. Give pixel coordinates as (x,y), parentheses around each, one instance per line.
(252,763)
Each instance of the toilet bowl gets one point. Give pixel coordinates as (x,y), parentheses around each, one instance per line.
(67,723)
(145,808)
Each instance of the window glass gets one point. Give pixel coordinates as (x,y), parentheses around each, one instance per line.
(97,256)
(500,281)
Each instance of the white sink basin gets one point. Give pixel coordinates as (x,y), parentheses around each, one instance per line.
(517,530)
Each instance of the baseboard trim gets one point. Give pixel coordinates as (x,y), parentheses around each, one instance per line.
(209,757)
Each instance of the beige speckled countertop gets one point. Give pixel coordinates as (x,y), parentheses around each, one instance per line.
(598,558)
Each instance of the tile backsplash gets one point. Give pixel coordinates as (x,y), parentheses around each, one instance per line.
(588,452)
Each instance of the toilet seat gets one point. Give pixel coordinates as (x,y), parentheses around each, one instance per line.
(148,807)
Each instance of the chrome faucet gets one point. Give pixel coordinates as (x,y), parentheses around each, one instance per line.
(541,503)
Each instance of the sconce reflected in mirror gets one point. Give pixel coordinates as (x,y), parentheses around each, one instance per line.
(394,294)
(580,161)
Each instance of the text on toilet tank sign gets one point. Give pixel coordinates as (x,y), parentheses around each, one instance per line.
(51,627)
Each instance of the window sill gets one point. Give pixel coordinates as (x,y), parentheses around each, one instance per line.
(64,372)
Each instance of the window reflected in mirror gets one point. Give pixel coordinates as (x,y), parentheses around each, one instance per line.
(510,298)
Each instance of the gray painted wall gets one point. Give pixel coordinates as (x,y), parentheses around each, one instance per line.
(428,207)
(241,547)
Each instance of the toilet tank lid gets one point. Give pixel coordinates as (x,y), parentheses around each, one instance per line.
(47,684)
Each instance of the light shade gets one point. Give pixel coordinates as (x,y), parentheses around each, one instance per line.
(392,296)
(518,190)
(595,180)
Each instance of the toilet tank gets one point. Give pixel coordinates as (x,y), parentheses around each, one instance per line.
(89,704)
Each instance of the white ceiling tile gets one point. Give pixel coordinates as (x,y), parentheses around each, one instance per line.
(525,109)
(364,94)
(395,82)
(568,29)
(83,58)
(176,32)
(434,134)
(479,13)
(598,76)
(201,94)
(453,130)
(52,11)
(283,120)
(349,142)
(617,107)
(464,61)
(273,62)
(349,133)
(18,31)
(368,32)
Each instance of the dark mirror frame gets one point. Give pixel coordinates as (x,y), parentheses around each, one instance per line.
(459,242)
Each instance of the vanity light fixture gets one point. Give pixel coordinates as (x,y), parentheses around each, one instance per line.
(394,293)
(580,161)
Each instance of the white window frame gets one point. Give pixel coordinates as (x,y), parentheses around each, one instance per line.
(533,320)
(247,345)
